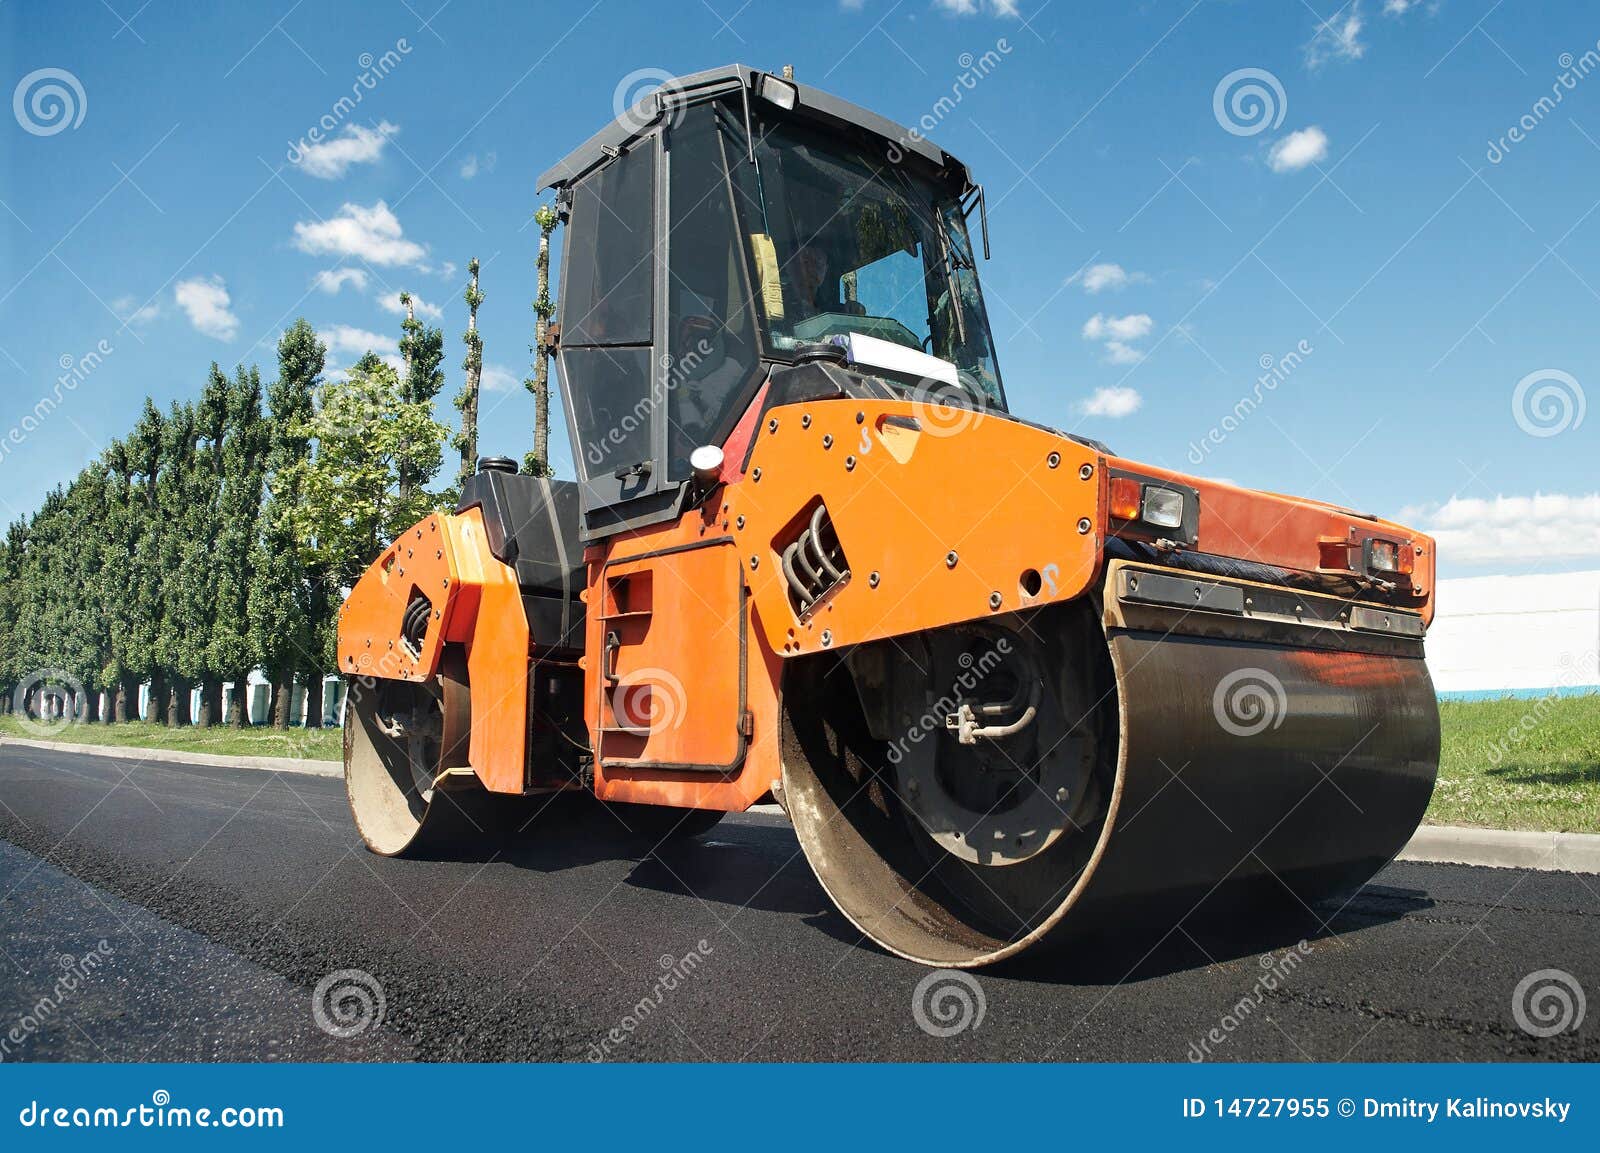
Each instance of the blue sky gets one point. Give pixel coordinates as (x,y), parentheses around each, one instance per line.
(1388,195)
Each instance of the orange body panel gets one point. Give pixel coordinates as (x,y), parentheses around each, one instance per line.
(693,685)
(957,522)
(1289,531)
(476,603)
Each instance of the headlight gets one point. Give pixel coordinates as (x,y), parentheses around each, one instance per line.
(1163,507)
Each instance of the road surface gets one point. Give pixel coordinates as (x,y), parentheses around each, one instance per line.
(198,909)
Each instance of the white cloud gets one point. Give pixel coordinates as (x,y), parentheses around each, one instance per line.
(205,301)
(1111,403)
(1399,7)
(1338,38)
(1120,353)
(963,7)
(1098,277)
(1125,328)
(499,378)
(331,280)
(370,234)
(132,312)
(390,302)
(1298,149)
(357,144)
(1514,529)
(475,164)
(344,338)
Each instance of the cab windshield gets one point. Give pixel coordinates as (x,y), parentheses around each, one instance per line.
(844,242)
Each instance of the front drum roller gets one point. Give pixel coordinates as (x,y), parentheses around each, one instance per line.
(1237,771)
(405,761)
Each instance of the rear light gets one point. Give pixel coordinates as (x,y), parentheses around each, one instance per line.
(1144,508)
(1127,498)
(1163,507)
(1393,558)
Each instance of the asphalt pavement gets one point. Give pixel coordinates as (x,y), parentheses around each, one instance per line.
(201,910)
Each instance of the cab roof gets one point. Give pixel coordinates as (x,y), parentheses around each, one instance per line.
(811,103)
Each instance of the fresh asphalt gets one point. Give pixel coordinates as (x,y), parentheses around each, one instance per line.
(225,896)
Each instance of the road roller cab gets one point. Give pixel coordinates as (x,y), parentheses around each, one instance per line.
(1006,683)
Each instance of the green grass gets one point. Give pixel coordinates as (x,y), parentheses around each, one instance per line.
(303,744)
(1520,764)
(1511,764)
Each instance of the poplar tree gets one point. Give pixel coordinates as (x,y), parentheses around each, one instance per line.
(244,452)
(179,654)
(116,589)
(539,384)
(422,349)
(199,607)
(467,402)
(280,604)
(144,450)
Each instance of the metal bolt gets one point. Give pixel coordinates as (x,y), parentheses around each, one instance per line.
(950,559)
(772,425)
(1061,796)
(872,580)
(849,464)
(861,418)
(1084,526)
(739,521)
(1086,472)
(995,600)
(827,638)
(1053,460)
(913,788)
(827,441)
(755,474)
(755,562)
(805,420)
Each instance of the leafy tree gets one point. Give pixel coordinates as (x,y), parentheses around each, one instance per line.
(279,602)
(467,402)
(115,588)
(351,499)
(539,383)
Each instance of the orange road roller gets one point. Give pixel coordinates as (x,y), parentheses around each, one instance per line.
(1009,686)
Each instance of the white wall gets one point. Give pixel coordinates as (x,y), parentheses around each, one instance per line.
(1531,634)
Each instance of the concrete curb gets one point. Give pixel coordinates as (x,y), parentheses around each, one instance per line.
(180,757)
(1442,844)
(1503,849)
